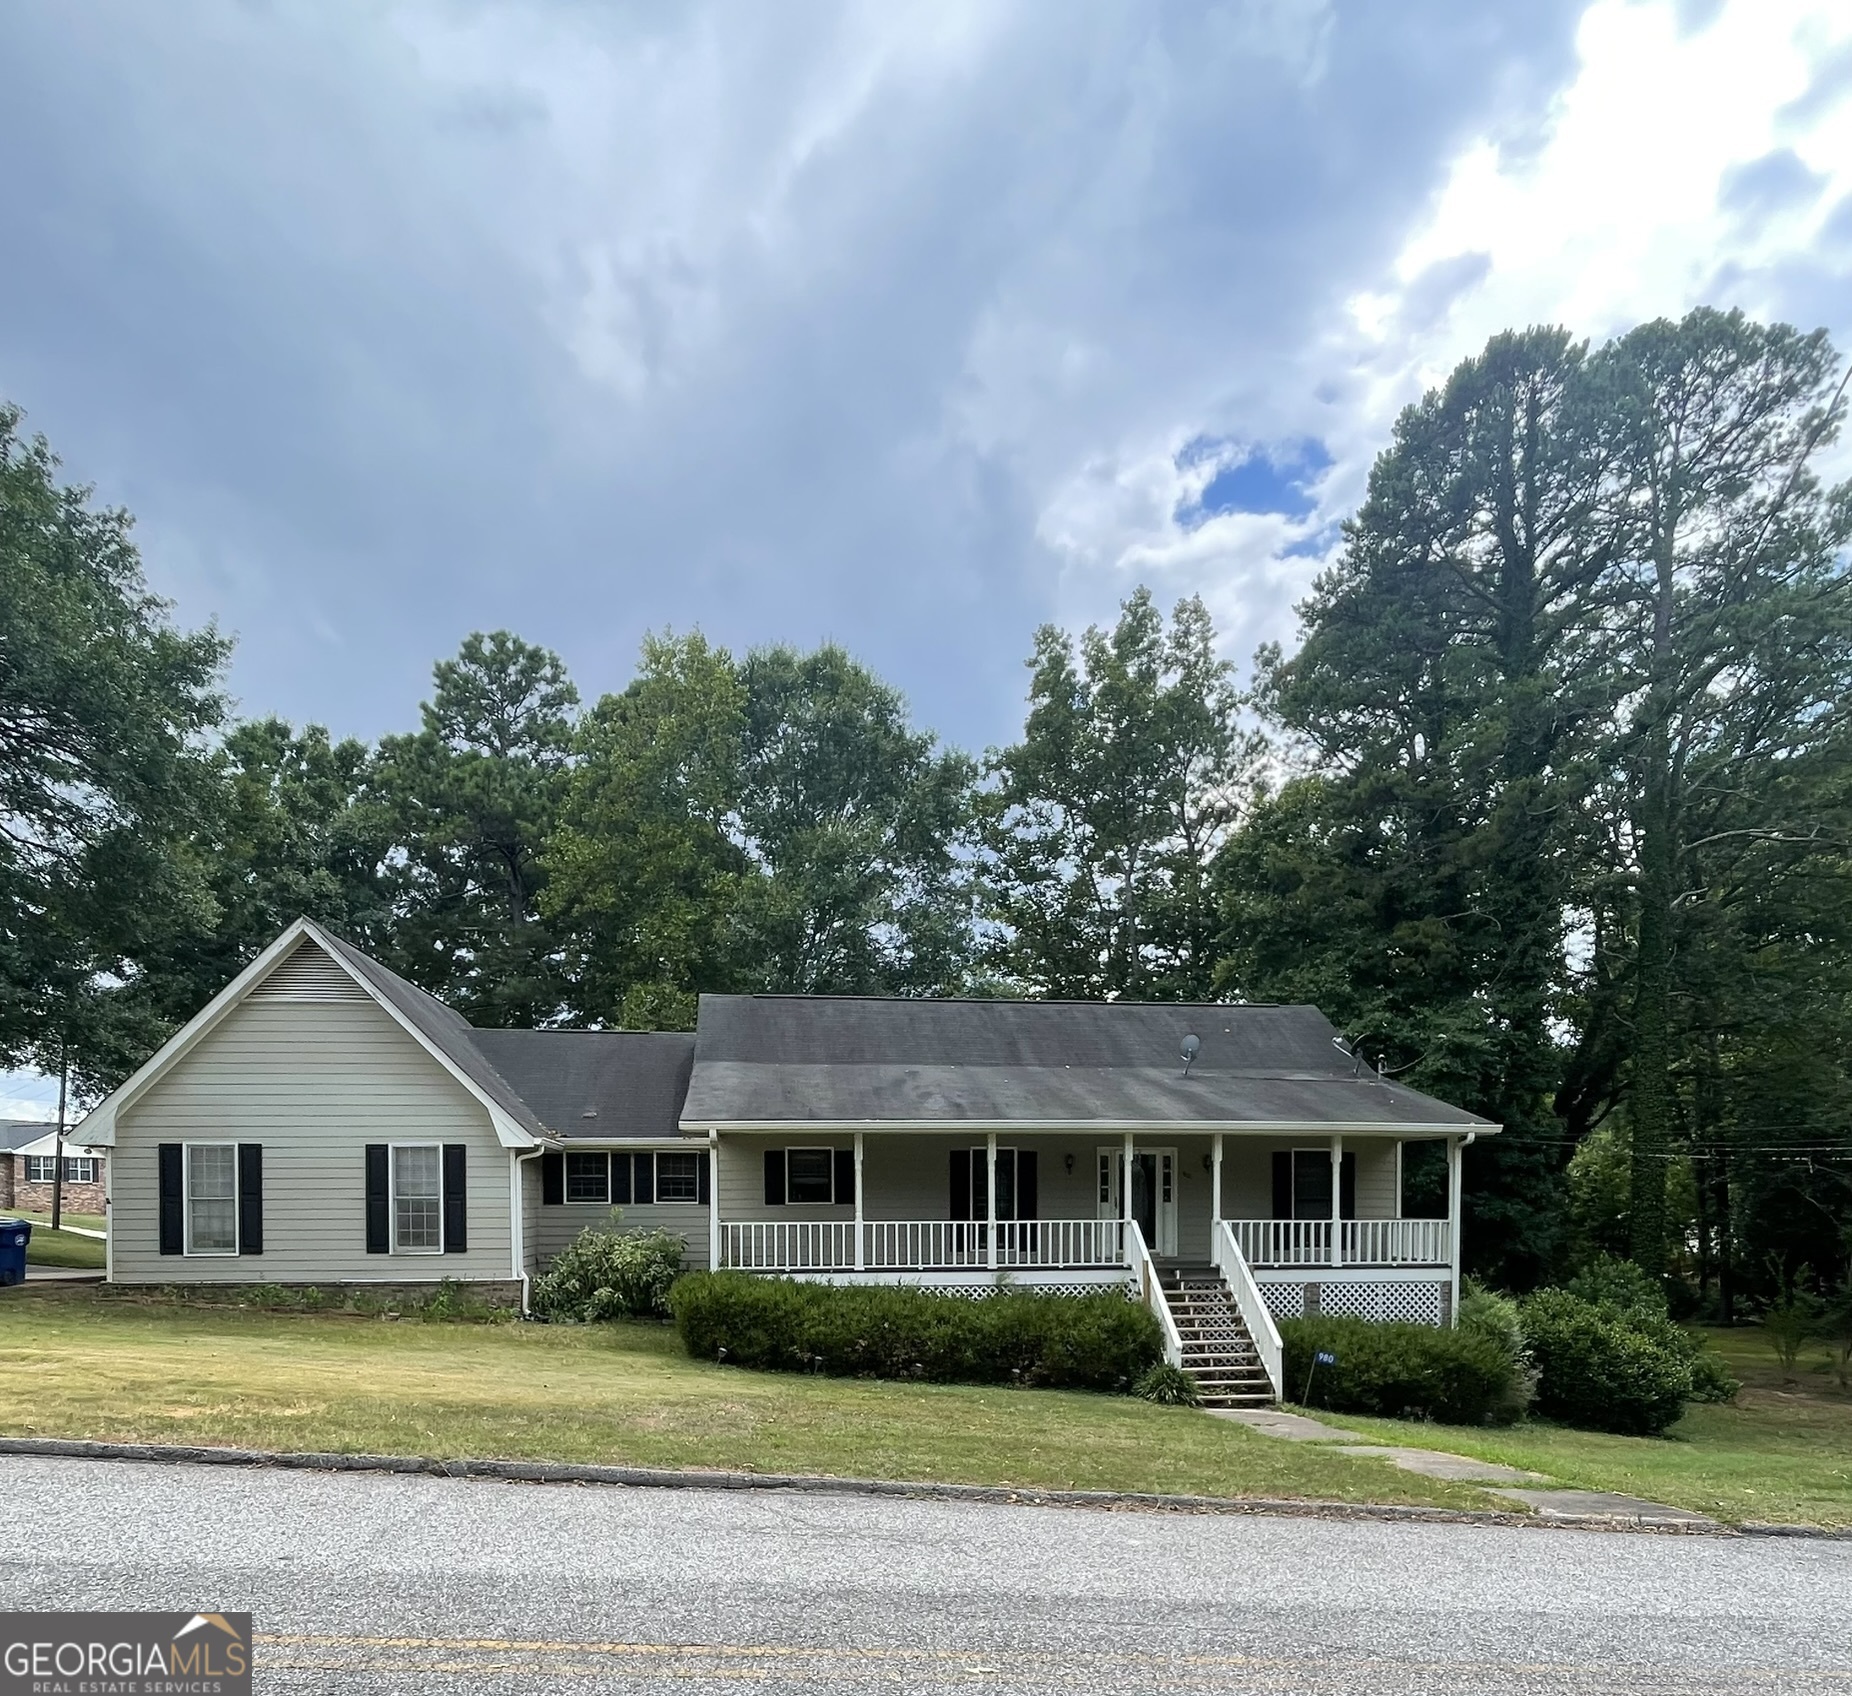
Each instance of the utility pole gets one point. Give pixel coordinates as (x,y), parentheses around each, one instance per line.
(57,1161)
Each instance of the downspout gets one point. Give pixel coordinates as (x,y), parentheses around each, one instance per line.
(517,1222)
(1456,1208)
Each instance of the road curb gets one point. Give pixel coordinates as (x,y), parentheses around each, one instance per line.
(663,1478)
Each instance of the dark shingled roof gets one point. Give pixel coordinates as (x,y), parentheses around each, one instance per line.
(631,1081)
(852,1060)
(20,1133)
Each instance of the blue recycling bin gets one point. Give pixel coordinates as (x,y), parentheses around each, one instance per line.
(14,1235)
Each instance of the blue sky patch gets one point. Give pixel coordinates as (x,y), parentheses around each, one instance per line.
(1271,479)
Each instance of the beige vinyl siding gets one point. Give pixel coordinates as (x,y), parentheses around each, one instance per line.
(555,1226)
(907,1175)
(314,1082)
(531,1232)
(1247,1174)
(1376,1186)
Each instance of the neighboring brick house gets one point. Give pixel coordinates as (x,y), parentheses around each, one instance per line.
(28,1150)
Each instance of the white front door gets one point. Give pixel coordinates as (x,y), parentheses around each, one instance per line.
(1154,1193)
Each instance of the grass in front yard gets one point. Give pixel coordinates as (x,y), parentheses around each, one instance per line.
(101,1366)
(1782,1451)
(85,1221)
(65,1248)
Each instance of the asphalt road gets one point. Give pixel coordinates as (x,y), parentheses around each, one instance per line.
(378,1583)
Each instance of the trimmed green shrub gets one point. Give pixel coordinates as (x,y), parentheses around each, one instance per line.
(1096,1342)
(1609,1281)
(1495,1318)
(1460,1377)
(1167,1385)
(1637,1300)
(611,1275)
(1603,1370)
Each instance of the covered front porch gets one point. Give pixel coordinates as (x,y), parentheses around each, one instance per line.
(1314,1218)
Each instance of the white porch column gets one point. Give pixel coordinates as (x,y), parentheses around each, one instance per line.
(990,1195)
(713,1201)
(1337,1201)
(1215,1184)
(1453,1228)
(860,1254)
(1125,1193)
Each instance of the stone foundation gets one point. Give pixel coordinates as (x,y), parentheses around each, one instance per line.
(495,1292)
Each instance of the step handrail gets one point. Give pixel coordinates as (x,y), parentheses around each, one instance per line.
(1151,1291)
(1250,1304)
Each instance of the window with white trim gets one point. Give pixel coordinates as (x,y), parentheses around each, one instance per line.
(211,1191)
(678,1177)
(810,1176)
(588,1177)
(417,1198)
(38,1168)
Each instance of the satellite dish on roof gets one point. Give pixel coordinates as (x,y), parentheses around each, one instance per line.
(1192,1046)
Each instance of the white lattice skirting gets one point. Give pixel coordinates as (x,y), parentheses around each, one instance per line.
(1410,1301)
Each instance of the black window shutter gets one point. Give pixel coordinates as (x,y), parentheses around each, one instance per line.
(845,1177)
(961,1185)
(1347,1187)
(643,1179)
(456,1198)
(704,1177)
(173,1207)
(379,1204)
(774,1177)
(552,1178)
(250,1198)
(1282,1184)
(620,1180)
(1026,1198)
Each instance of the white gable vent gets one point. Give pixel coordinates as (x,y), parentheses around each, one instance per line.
(308,975)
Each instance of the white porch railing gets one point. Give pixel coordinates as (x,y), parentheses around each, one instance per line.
(1077,1244)
(921,1245)
(1151,1292)
(906,1244)
(1249,1303)
(788,1245)
(1361,1242)
(1395,1242)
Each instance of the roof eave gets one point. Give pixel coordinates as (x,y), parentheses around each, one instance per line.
(1254,1127)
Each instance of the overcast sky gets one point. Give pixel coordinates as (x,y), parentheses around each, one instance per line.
(907,325)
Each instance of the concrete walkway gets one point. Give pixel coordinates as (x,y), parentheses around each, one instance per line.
(1511,1482)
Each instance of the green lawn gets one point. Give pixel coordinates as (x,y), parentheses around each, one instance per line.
(65,1248)
(87,1221)
(1782,1451)
(94,1365)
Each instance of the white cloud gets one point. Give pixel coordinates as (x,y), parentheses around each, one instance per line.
(28,1095)
(1676,168)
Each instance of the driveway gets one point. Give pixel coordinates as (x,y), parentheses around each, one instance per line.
(378,1583)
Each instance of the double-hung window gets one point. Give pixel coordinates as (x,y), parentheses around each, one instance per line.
(211,1191)
(38,1168)
(678,1177)
(810,1176)
(588,1177)
(417,1198)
